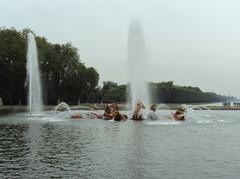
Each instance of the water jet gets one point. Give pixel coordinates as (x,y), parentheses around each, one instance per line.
(137,65)
(35,104)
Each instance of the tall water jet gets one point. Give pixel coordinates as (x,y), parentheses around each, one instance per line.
(35,103)
(137,65)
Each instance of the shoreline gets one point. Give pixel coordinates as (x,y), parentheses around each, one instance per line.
(9,109)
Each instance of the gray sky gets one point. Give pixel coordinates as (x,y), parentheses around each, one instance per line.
(192,42)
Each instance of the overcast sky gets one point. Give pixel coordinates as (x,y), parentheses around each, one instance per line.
(192,42)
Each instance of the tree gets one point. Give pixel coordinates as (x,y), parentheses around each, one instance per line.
(112,92)
(12,66)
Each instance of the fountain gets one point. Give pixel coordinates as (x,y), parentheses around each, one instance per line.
(137,66)
(62,107)
(35,103)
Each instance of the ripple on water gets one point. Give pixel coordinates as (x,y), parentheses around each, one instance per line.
(204,121)
(163,122)
(96,148)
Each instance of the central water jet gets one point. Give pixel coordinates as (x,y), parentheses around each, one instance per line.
(35,103)
(137,65)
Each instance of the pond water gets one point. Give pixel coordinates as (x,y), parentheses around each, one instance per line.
(207,145)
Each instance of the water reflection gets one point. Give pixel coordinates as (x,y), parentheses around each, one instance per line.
(136,152)
(14,149)
(63,149)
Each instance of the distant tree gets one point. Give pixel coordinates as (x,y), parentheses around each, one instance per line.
(168,93)
(112,92)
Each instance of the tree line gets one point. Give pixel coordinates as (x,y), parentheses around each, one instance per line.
(65,77)
(163,92)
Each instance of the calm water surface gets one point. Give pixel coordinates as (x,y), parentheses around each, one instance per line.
(207,145)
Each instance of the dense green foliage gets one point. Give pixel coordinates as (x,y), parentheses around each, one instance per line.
(64,77)
(165,92)
(12,66)
(112,92)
